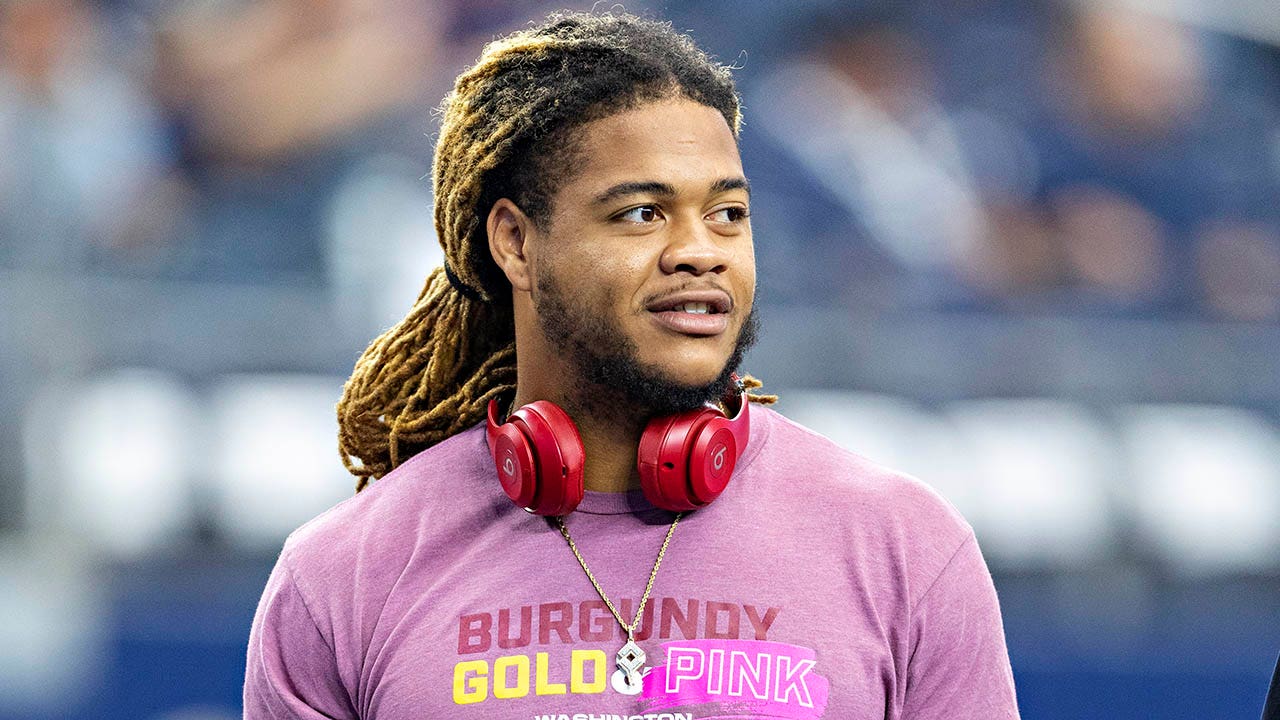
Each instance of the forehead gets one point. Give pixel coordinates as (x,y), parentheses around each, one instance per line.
(677,141)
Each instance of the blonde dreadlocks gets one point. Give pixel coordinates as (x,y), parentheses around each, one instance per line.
(506,132)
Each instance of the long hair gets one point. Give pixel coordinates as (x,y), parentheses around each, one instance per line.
(505,132)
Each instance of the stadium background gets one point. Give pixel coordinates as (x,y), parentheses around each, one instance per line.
(1026,250)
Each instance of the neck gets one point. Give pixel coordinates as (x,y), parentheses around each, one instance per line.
(609,428)
(610,437)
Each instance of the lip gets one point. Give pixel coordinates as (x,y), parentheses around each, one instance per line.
(719,300)
(693,323)
(664,312)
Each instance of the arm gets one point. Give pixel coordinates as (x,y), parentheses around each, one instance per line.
(292,671)
(959,666)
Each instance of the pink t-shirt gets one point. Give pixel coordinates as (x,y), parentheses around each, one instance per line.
(819,585)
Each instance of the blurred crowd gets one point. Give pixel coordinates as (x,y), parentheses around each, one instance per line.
(1032,155)
(989,154)
(197,141)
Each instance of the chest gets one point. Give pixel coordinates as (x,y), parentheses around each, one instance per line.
(730,629)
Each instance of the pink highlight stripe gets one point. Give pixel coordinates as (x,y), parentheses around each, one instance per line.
(754,677)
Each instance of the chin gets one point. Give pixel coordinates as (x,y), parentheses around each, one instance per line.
(687,368)
(693,362)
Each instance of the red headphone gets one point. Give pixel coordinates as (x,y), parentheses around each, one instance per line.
(684,460)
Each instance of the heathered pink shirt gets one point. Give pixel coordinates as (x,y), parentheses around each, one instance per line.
(819,585)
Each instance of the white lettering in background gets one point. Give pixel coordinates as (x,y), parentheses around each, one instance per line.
(646,716)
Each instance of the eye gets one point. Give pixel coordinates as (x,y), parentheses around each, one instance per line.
(641,214)
(731,214)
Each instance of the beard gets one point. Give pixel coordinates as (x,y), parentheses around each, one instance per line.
(616,383)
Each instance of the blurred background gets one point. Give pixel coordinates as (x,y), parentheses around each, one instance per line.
(1027,250)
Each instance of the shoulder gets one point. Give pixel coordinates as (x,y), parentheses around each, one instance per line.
(845,480)
(390,516)
(857,500)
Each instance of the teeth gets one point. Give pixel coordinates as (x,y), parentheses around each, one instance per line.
(697,308)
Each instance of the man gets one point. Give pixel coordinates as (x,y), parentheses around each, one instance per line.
(594,215)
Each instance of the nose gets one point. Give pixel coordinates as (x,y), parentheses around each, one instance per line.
(692,248)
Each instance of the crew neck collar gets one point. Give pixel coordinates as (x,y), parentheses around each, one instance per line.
(614,503)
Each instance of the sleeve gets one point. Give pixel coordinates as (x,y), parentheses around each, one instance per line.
(959,666)
(292,671)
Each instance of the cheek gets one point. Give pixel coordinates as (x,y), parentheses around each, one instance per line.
(617,279)
(747,271)
(597,284)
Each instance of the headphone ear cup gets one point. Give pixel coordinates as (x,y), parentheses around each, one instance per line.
(712,460)
(650,461)
(685,460)
(513,457)
(558,457)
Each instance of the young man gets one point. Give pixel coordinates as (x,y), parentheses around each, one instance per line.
(594,215)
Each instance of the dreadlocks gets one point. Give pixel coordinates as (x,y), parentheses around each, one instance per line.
(506,132)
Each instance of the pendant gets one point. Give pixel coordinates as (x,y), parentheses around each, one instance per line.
(627,679)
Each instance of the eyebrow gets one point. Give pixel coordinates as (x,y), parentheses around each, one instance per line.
(734,183)
(664,190)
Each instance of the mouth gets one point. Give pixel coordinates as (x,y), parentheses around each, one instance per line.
(701,313)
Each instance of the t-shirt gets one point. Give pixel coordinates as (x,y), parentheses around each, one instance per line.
(818,585)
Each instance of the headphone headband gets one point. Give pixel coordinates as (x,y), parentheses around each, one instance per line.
(684,460)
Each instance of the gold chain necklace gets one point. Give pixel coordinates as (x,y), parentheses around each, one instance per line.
(627,678)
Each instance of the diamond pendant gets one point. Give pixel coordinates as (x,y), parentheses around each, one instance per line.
(627,679)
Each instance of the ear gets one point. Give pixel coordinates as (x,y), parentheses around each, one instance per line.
(509,231)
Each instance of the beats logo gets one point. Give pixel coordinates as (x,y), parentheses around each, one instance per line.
(509,466)
(717,458)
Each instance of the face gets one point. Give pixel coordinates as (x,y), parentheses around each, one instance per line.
(645,274)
